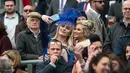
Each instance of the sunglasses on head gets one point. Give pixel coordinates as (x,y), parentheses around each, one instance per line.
(99,1)
(28,10)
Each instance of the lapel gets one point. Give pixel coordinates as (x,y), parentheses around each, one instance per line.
(98,23)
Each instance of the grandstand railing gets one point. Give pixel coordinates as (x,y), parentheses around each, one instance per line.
(29,64)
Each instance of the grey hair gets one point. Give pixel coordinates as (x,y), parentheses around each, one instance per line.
(5,65)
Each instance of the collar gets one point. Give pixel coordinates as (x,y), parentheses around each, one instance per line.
(125,22)
(98,14)
(10,17)
(35,34)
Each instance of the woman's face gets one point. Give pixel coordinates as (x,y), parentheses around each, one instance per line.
(127,53)
(115,65)
(103,65)
(65,30)
(79,32)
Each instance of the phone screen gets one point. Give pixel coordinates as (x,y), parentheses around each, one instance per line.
(54,17)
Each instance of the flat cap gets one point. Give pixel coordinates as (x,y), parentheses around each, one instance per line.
(34,15)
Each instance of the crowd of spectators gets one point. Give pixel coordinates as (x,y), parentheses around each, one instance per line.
(69,36)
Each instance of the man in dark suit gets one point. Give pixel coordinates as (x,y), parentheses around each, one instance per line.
(55,63)
(116,10)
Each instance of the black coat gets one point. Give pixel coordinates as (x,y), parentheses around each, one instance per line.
(116,31)
(61,67)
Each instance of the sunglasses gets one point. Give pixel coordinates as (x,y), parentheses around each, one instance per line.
(99,1)
(28,10)
(55,43)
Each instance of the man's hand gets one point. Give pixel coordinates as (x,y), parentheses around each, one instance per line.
(40,58)
(53,59)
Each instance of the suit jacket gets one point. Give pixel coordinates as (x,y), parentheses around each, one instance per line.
(61,67)
(116,10)
(54,6)
(100,28)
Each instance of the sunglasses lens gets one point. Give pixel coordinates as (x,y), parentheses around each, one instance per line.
(28,10)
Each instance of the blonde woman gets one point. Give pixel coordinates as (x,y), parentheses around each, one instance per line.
(82,30)
(64,35)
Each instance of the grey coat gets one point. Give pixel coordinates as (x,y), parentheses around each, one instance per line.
(28,46)
(100,28)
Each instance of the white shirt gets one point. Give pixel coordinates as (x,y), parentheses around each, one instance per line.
(10,23)
(60,6)
(88,7)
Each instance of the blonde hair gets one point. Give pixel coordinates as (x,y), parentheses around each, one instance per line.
(69,39)
(14,56)
(88,27)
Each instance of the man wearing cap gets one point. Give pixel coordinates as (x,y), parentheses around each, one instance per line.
(28,42)
(22,25)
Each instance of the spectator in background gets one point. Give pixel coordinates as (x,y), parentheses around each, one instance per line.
(94,14)
(5,65)
(100,64)
(56,63)
(41,3)
(126,58)
(10,18)
(28,42)
(5,43)
(116,10)
(118,34)
(82,6)
(15,58)
(82,17)
(23,25)
(117,64)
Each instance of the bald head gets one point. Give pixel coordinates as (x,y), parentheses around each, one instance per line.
(126,10)
(27,9)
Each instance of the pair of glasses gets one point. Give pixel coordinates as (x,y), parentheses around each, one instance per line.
(99,1)
(126,9)
(27,10)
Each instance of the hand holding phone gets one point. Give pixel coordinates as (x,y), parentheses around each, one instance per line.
(85,43)
(54,17)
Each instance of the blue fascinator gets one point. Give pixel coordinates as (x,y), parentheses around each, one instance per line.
(69,16)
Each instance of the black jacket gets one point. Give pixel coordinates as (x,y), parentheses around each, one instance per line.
(117,30)
(61,67)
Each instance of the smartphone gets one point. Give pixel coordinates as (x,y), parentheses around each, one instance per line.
(85,43)
(54,17)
